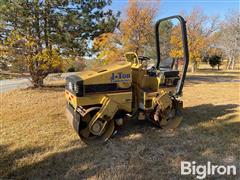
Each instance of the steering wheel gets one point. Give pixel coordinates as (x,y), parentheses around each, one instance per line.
(152,70)
(143,58)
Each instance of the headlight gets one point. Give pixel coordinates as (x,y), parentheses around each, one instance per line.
(75,85)
(70,86)
(76,88)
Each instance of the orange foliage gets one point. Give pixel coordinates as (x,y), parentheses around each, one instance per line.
(134,33)
(137,28)
(107,45)
(198,40)
(196,43)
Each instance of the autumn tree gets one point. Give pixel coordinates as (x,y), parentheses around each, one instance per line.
(137,29)
(39,63)
(108,46)
(4,59)
(165,31)
(200,29)
(135,33)
(55,27)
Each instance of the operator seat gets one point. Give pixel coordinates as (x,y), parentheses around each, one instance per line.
(169,76)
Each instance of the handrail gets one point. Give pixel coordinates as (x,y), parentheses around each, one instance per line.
(185,48)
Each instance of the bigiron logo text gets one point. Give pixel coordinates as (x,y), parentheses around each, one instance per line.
(202,171)
(120,77)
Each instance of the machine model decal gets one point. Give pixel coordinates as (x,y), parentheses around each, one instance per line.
(120,77)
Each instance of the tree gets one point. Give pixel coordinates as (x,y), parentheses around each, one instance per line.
(135,33)
(66,24)
(39,63)
(56,27)
(229,37)
(4,60)
(74,65)
(108,46)
(137,29)
(200,29)
(215,60)
(165,30)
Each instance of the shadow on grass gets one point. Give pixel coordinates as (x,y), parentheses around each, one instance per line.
(214,132)
(150,156)
(206,112)
(215,71)
(45,88)
(199,79)
(8,158)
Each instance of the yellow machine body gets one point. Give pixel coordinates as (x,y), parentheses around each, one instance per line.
(118,75)
(102,99)
(124,87)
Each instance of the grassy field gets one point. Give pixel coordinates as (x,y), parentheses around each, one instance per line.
(37,142)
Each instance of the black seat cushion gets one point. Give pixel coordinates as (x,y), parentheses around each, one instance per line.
(169,73)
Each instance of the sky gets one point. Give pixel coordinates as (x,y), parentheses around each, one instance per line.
(173,7)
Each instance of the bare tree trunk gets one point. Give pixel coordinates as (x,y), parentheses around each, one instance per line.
(233,63)
(229,62)
(38,81)
(194,66)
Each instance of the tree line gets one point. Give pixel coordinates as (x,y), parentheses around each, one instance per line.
(43,36)
(39,35)
(208,36)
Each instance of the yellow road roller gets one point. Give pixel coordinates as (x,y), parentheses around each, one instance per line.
(100,100)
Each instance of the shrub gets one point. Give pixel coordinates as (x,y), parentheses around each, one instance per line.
(215,60)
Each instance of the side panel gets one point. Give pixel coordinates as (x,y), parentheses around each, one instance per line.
(145,88)
(118,73)
(124,100)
